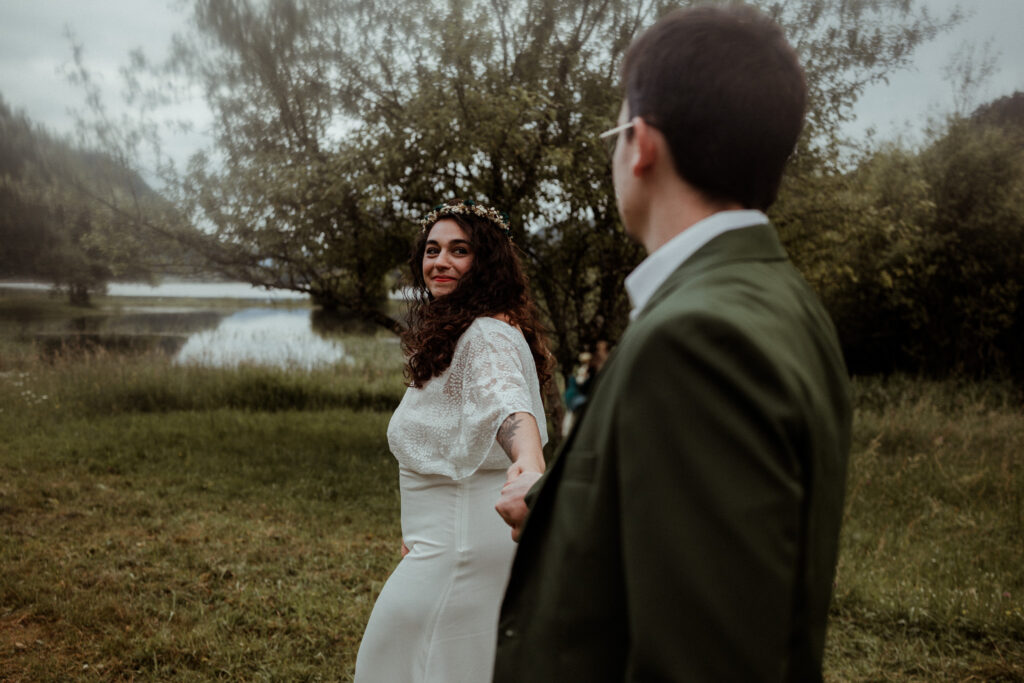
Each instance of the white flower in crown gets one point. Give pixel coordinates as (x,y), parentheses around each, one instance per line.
(458,206)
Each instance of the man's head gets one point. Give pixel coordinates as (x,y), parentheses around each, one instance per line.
(727,92)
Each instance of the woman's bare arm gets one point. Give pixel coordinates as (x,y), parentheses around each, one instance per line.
(519,437)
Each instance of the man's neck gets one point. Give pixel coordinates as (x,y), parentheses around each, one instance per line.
(672,213)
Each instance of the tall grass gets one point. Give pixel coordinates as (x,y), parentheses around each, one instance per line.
(930,583)
(100,383)
(176,523)
(179,523)
(194,546)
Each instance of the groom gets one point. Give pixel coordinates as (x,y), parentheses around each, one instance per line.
(688,529)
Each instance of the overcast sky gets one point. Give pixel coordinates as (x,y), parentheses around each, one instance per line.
(34,50)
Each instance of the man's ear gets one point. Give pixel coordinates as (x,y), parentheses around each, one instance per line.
(647,142)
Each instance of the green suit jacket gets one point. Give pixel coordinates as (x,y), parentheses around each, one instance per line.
(688,529)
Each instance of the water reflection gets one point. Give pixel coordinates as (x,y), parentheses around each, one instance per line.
(263,336)
(173,289)
(204,290)
(148,320)
(329,323)
(275,331)
(131,331)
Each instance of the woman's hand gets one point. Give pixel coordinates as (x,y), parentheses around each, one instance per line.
(512,504)
(522,466)
(405,549)
(520,439)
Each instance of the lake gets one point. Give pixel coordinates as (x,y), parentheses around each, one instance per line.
(245,325)
(182,290)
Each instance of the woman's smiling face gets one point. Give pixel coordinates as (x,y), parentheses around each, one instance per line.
(447,257)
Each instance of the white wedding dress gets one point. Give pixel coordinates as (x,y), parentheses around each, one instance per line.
(436,619)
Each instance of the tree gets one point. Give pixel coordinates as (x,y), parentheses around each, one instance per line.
(506,105)
(976,172)
(339,123)
(862,239)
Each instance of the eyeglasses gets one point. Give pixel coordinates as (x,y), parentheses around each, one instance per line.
(617,129)
(609,136)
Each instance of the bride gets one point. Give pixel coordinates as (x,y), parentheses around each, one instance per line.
(476,360)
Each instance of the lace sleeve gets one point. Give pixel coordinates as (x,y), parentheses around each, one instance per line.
(491,380)
(449,426)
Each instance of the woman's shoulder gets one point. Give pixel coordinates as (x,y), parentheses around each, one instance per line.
(500,324)
(503,317)
(493,328)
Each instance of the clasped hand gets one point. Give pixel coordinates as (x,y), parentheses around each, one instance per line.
(511,504)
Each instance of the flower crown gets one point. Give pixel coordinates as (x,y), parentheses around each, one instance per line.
(458,206)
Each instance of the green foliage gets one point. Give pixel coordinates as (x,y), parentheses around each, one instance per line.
(288,202)
(860,238)
(912,251)
(507,106)
(344,122)
(338,124)
(845,46)
(977,177)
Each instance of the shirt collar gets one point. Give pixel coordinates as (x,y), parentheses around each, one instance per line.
(655,269)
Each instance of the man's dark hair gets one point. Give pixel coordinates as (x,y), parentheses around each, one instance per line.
(726,90)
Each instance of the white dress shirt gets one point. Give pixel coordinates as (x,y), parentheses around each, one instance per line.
(655,269)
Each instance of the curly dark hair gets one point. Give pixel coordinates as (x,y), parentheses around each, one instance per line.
(494,285)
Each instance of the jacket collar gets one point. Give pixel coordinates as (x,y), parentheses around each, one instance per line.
(649,275)
(755,243)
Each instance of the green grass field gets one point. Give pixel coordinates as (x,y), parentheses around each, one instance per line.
(930,583)
(186,524)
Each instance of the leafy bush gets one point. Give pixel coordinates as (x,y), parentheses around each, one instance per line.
(915,254)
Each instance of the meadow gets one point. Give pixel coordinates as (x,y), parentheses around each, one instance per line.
(170,523)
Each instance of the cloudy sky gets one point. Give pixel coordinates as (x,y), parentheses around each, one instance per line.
(34,50)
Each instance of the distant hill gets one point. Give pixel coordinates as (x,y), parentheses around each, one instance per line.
(53,231)
(1006,112)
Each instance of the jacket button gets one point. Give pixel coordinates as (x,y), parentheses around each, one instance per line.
(510,633)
